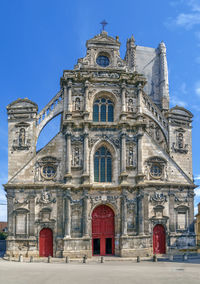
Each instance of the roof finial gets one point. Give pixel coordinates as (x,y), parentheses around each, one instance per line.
(103,23)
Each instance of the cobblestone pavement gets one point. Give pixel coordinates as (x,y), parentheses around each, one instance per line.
(112,272)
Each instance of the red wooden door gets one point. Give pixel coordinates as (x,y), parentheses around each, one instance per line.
(159,240)
(46,242)
(103,231)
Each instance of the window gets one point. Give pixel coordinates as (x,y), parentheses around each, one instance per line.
(102,165)
(103,110)
(103,61)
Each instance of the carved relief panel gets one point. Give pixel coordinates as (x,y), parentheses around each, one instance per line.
(22,140)
(131,155)
(179,146)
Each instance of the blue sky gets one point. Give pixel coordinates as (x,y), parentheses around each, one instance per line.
(40,38)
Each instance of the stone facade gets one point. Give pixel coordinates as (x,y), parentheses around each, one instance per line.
(198,228)
(150,181)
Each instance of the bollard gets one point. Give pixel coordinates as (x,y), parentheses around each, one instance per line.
(155,258)
(185,257)
(67,259)
(84,258)
(31,258)
(49,259)
(102,259)
(20,258)
(9,257)
(171,257)
(138,258)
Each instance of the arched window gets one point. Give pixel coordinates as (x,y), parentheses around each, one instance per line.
(103,110)
(102,165)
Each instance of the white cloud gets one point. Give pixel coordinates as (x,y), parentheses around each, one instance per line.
(197,177)
(197,192)
(194,4)
(176,101)
(197,88)
(187,21)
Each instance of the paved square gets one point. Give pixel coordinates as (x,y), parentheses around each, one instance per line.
(109,272)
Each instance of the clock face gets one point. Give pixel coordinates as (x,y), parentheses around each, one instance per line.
(103,61)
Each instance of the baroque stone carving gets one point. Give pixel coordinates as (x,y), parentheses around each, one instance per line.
(76,156)
(156,169)
(21,142)
(104,74)
(158,198)
(179,146)
(45,198)
(46,169)
(109,137)
(131,155)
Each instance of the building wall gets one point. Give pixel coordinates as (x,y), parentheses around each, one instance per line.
(55,187)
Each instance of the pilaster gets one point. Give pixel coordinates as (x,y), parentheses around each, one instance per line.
(67,216)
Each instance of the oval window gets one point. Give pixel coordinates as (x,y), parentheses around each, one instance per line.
(103,61)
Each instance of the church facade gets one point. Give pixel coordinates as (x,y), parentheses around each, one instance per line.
(117,178)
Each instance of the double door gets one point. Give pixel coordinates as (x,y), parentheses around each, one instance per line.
(103,231)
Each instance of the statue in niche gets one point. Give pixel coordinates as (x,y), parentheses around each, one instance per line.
(157,133)
(130,105)
(77,104)
(180,140)
(131,156)
(76,157)
(22,137)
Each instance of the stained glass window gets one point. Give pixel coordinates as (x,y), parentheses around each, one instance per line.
(102,165)
(103,110)
(103,61)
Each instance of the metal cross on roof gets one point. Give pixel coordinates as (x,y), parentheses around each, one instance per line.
(103,23)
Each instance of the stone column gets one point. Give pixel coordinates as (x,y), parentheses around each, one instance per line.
(60,214)
(172,219)
(32,215)
(86,96)
(123,152)
(67,217)
(140,199)
(139,91)
(10,206)
(85,216)
(191,212)
(65,98)
(69,97)
(139,152)
(124,215)
(123,95)
(86,152)
(68,156)
(146,213)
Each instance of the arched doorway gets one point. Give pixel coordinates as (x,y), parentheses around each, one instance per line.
(159,246)
(46,242)
(103,231)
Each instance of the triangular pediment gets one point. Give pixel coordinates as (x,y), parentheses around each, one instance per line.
(104,39)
